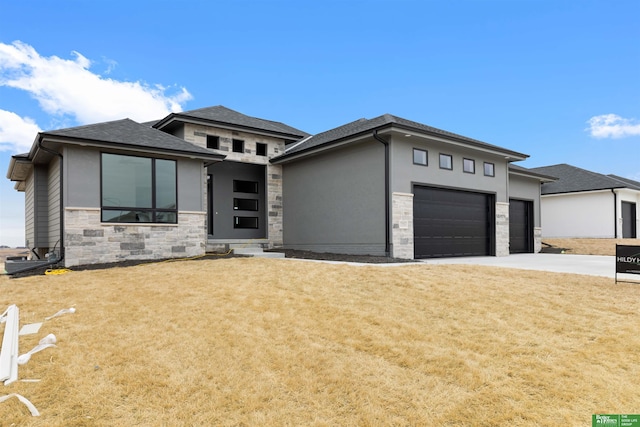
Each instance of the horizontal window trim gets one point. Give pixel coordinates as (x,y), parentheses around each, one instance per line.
(152,211)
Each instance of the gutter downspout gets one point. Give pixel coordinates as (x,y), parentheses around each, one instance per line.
(387,197)
(55,153)
(615,213)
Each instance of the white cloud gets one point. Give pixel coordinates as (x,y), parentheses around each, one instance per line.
(16,133)
(67,87)
(612,126)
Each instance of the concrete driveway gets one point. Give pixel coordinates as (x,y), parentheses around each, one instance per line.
(592,265)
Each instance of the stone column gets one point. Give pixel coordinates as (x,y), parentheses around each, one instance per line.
(502,229)
(402,225)
(274,205)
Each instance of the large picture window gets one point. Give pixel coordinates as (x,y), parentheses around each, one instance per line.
(138,189)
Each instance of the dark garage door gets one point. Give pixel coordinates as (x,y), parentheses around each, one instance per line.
(451,223)
(520,226)
(629,220)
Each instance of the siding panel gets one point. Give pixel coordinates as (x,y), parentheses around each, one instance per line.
(54,202)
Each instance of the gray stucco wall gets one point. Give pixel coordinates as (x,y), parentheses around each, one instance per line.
(334,202)
(524,188)
(404,172)
(82,180)
(29,211)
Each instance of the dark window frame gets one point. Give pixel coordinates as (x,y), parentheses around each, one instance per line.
(261,149)
(464,165)
(213,142)
(446,156)
(493,169)
(426,157)
(237,145)
(155,213)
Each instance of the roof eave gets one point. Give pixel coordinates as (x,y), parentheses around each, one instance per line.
(16,173)
(507,154)
(135,148)
(592,190)
(541,177)
(503,152)
(177,117)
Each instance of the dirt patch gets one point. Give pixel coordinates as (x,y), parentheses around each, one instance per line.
(364,259)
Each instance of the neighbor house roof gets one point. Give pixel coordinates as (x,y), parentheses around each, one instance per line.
(572,179)
(367,126)
(519,170)
(220,115)
(635,185)
(127,133)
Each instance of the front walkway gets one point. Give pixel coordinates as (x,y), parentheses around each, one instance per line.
(592,265)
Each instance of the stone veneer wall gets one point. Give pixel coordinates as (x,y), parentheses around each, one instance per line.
(537,239)
(88,241)
(502,229)
(197,134)
(402,228)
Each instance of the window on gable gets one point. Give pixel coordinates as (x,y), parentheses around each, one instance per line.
(420,157)
(489,169)
(261,149)
(238,146)
(138,189)
(469,165)
(213,141)
(446,161)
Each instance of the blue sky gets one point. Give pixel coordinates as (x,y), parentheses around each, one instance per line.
(558,80)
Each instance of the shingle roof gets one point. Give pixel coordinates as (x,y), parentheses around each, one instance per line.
(224,115)
(362,126)
(525,171)
(126,132)
(572,179)
(629,182)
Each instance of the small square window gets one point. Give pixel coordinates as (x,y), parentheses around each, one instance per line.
(469,165)
(446,161)
(489,169)
(238,146)
(420,157)
(261,149)
(213,141)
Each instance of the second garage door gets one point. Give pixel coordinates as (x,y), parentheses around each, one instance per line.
(452,223)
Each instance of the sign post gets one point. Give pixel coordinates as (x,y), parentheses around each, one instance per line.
(627,260)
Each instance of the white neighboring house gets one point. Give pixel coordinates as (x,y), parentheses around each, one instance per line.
(587,204)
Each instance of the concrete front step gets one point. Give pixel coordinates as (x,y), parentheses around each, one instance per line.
(257,252)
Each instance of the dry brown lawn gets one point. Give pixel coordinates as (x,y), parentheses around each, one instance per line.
(591,246)
(258,342)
